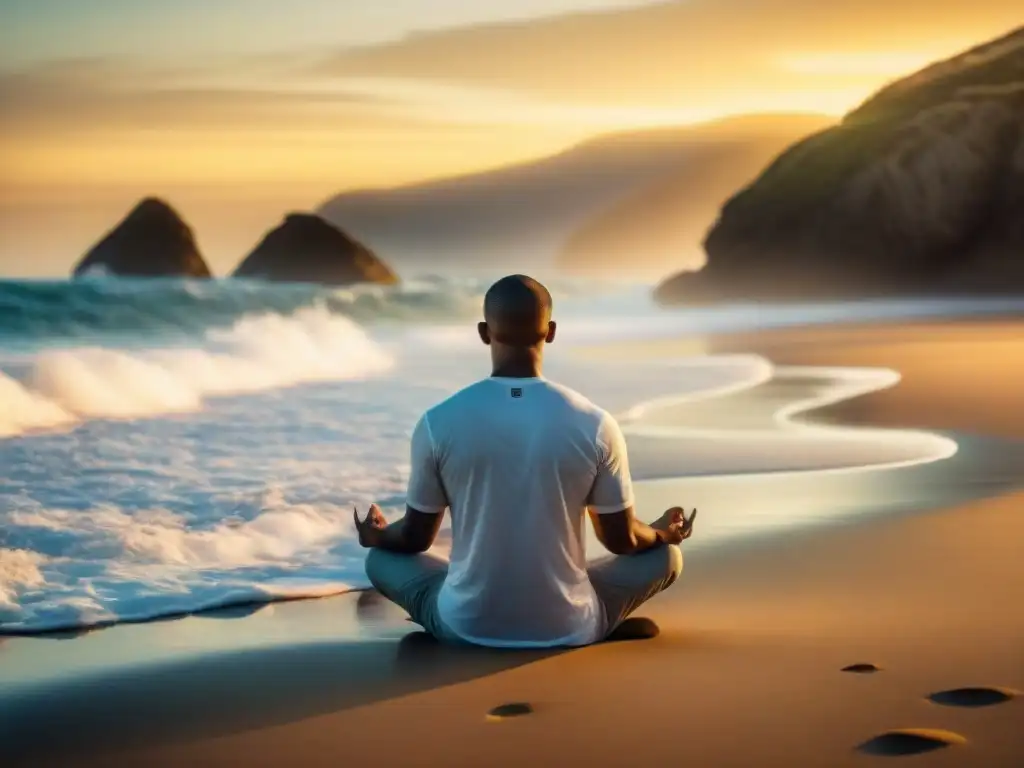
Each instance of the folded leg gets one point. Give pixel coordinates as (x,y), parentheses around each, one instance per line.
(625,583)
(412,582)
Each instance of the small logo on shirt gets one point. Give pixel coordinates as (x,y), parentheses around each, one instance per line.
(517,392)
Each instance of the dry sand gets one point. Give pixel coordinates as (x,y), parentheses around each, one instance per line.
(746,672)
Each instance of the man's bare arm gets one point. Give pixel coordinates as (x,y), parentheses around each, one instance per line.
(622,533)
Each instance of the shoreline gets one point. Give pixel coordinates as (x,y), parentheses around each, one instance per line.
(655,418)
(731,636)
(943,381)
(932,598)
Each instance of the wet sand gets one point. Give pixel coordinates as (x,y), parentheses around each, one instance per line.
(955,375)
(747,669)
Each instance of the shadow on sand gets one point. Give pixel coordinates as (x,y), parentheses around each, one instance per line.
(222,693)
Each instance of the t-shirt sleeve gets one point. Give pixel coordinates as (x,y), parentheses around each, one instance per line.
(426,491)
(613,487)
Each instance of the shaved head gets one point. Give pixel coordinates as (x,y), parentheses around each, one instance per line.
(517,312)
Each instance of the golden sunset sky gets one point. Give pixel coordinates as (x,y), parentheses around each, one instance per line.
(238,110)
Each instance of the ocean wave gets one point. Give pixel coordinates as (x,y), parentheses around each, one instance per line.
(259,352)
(38,310)
(178,567)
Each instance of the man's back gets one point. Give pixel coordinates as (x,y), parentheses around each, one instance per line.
(517,461)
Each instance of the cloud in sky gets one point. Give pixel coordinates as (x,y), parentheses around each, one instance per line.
(692,50)
(107,121)
(645,63)
(35,30)
(99,94)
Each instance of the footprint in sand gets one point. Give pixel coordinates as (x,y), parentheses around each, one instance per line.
(983,696)
(861,669)
(505,711)
(910,741)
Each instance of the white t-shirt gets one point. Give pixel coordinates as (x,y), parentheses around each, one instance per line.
(518,461)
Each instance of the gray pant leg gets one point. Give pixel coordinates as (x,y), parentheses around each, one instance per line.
(625,583)
(412,582)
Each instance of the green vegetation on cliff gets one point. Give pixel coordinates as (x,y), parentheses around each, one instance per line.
(920,190)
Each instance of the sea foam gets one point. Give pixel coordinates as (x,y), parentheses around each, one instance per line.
(257,353)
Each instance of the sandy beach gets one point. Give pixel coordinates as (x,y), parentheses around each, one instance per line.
(746,672)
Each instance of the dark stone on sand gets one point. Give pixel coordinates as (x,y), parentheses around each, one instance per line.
(151,241)
(307,249)
(635,628)
(973,697)
(917,192)
(910,741)
(861,669)
(514,709)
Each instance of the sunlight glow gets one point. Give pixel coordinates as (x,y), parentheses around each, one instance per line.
(866,63)
(453,104)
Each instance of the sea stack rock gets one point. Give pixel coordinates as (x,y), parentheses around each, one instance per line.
(919,191)
(151,241)
(307,249)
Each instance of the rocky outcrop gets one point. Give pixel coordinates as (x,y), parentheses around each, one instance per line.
(307,249)
(152,241)
(920,191)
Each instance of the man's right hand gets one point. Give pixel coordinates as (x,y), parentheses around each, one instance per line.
(371,528)
(675,525)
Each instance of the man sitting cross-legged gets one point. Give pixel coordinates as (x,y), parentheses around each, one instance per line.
(517,459)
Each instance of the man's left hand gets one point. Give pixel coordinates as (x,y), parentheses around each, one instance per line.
(370,529)
(676,524)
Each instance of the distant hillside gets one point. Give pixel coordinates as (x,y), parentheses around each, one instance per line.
(522,216)
(663,224)
(918,191)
